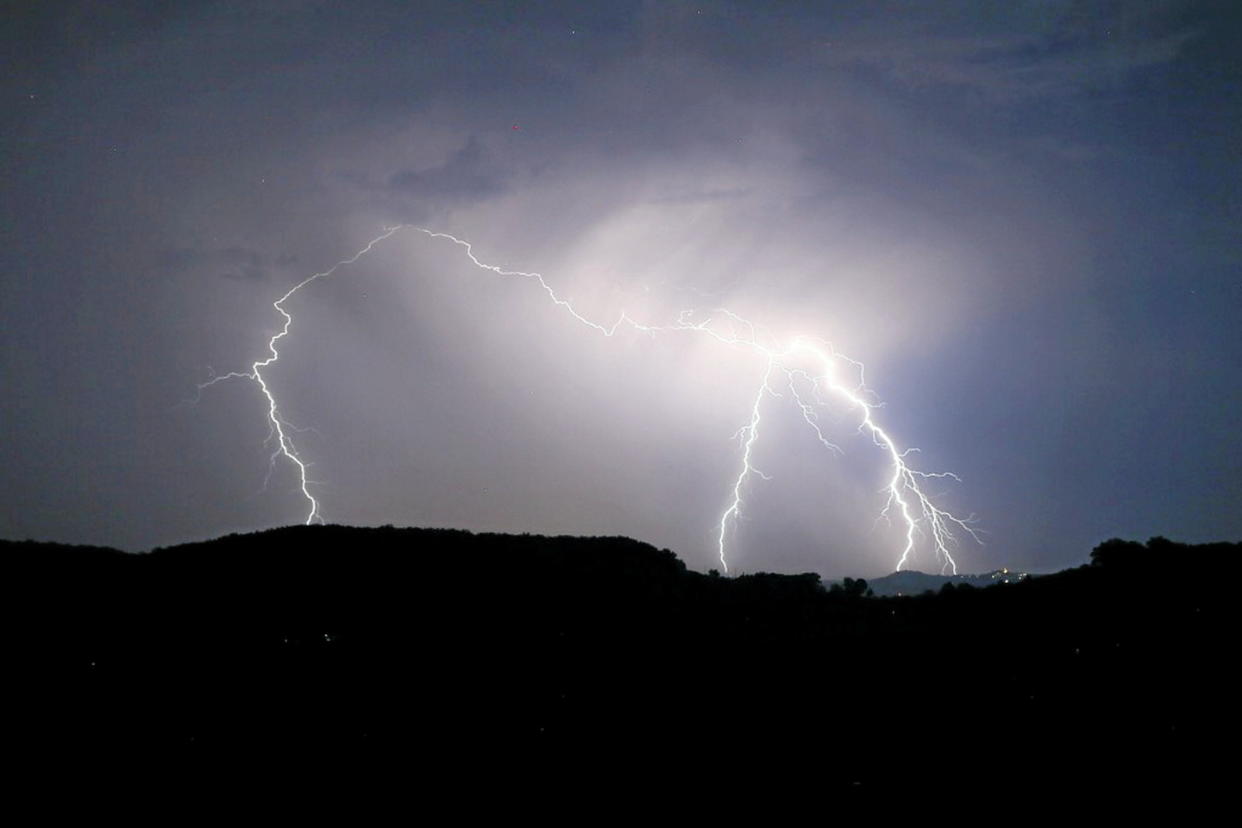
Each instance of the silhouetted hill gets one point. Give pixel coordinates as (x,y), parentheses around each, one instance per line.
(913,582)
(425,651)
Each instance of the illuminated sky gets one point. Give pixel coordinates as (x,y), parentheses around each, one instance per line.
(1023,217)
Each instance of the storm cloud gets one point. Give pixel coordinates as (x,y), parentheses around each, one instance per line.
(1022,218)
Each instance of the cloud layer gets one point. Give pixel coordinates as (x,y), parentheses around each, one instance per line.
(1019,216)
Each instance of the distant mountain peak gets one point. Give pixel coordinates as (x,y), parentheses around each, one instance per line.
(913,582)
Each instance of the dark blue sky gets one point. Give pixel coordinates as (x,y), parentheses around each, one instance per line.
(1024,218)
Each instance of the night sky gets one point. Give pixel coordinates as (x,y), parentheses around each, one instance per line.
(1023,217)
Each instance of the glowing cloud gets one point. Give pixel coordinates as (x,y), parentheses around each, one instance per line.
(905,497)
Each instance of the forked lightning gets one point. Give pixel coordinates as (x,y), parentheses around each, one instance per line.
(804,362)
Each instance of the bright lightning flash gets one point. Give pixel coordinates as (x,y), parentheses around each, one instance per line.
(905,498)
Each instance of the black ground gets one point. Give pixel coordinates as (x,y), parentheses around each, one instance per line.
(453,658)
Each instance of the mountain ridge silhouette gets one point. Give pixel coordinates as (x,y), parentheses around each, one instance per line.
(357,646)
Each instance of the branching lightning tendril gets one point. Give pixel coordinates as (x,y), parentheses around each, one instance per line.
(905,497)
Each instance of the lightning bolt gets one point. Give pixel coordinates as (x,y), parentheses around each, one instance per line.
(905,497)
(279,427)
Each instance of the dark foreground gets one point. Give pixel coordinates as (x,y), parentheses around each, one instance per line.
(451,659)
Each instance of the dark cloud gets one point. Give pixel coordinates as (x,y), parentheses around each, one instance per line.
(230,262)
(467,177)
(1015,52)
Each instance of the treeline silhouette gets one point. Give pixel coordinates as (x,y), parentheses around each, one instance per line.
(444,651)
